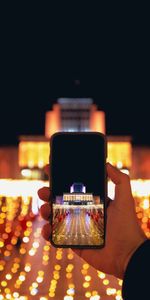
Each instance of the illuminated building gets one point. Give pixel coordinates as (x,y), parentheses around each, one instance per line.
(66,115)
(78,114)
(33,156)
(59,274)
(70,115)
(119,151)
(78,195)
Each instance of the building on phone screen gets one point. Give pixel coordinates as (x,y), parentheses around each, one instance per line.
(78,195)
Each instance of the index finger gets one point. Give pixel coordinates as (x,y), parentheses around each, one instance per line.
(44,194)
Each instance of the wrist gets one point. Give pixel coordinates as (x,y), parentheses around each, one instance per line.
(125,255)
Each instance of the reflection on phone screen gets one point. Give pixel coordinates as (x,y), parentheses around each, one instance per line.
(78,191)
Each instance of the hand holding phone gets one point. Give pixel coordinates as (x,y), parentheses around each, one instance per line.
(123,232)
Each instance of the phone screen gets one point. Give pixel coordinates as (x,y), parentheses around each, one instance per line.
(78,184)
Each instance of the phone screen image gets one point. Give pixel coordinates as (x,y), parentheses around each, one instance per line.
(78,184)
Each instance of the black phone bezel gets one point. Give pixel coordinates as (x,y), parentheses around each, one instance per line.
(105,187)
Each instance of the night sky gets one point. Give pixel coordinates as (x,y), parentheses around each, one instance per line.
(43,52)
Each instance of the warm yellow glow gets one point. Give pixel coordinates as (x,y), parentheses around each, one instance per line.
(3,283)
(35,245)
(52,121)
(22,278)
(70,292)
(8,296)
(120,282)
(118,297)
(1,267)
(146,203)
(70,256)
(101,275)
(95,297)
(69,275)
(35,284)
(119,164)
(25,239)
(71,286)
(16,188)
(27,268)
(120,154)
(40,273)
(105,281)
(46,247)
(57,267)
(28,188)
(110,291)
(86,266)
(88,278)
(1,243)
(22,202)
(33,154)
(15,295)
(94,293)
(8,276)
(34,291)
(68,298)
(56,276)
(86,284)
(52,295)
(97,121)
(69,267)
(26,173)
(39,279)
(32,252)
(88,294)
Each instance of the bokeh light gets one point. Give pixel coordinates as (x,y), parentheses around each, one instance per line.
(30,268)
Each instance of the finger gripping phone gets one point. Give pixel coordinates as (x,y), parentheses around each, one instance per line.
(78,189)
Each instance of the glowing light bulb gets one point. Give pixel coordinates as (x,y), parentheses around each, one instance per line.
(70,292)
(146,204)
(8,276)
(36,245)
(95,297)
(86,284)
(88,278)
(68,298)
(25,239)
(119,164)
(86,266)
(105,281)
(22,278)
(39,279)
(34,291)
(88,294)
(15,295)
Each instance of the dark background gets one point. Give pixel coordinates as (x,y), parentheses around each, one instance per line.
(44,49)
(69,165)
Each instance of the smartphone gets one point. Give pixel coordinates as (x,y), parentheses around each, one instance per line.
(78,189)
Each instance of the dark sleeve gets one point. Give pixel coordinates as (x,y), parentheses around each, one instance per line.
(136,283)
